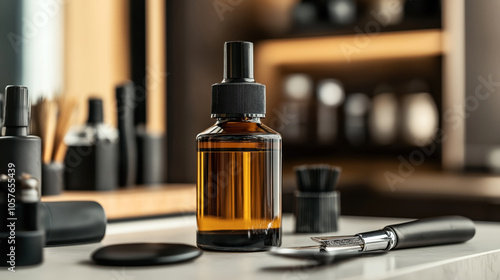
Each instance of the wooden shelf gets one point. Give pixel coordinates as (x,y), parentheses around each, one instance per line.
(350,48)
(138,202)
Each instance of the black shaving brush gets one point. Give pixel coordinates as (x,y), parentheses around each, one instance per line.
(317,205)
(317,177)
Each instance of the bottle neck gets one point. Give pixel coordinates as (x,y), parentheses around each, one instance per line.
(15,131)
(238,119)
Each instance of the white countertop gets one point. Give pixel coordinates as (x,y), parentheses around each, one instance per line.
(475,259)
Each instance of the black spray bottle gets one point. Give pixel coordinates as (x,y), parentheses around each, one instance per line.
(91,162)
(16,146)
(239,163)
(21,235)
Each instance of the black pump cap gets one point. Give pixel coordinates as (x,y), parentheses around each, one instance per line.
(95,111)
(238,95)
(17,106)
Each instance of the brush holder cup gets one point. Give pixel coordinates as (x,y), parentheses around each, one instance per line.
(316,212)
(52,178)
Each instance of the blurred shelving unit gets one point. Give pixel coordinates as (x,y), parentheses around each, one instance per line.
(437,52)
(330,49)
(343,51)
(375,56)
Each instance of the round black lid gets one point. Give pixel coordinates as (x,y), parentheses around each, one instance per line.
(95,111)
(142,254)
(17,106)
(238,95)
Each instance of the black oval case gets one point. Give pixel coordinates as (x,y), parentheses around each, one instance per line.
(144,254)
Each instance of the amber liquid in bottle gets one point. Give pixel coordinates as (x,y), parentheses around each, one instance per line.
(239,186)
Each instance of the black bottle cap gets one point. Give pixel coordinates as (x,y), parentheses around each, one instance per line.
(95,111)
(238,95)
(17,106)
(238,62)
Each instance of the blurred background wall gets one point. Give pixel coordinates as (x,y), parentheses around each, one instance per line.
(387,89)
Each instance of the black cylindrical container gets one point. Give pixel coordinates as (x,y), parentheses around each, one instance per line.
(150,163)
(73,222)
(93,167)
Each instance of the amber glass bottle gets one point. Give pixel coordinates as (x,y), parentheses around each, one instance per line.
(239,164)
